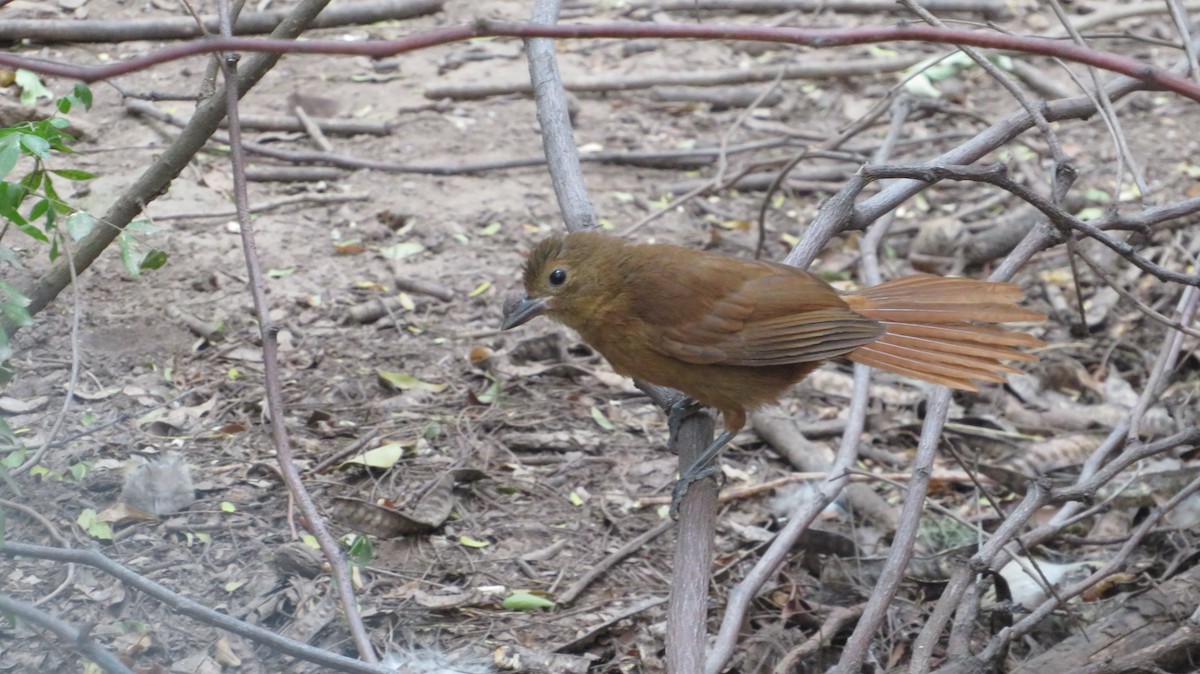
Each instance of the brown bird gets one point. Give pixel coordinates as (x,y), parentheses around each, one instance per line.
(735,334)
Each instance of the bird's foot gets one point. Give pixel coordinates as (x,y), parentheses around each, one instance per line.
(680,489)
(699,470)
(679,411)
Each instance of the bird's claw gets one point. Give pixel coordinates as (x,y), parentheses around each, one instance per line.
(685,480)
(679,411)
(703,467)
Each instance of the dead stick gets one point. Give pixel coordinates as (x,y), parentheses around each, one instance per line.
(991,9)
(610,561)
(313,131)
(703,78)
(331,127)
(423,287)
(293,174)
(268,205)
(728,495)
(182,28)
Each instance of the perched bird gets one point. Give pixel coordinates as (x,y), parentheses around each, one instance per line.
(735,334)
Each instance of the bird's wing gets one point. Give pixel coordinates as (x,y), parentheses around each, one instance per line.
(781,317)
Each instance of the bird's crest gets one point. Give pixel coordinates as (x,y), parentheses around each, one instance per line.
(545,251)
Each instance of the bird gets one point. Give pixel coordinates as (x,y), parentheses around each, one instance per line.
(735,334)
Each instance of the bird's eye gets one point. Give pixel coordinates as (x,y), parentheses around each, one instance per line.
(558,277)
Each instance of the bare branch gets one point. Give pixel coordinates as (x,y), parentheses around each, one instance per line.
(1146,73)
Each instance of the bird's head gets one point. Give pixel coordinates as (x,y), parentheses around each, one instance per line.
(562,277)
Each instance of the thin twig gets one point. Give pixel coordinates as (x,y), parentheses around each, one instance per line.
(272,376)
(73,379)
(631,547)
(191,608)
(76,639)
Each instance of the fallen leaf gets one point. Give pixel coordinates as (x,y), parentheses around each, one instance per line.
(399,381)
(384,456)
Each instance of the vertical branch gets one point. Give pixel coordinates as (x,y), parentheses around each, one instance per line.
(1107,112)
(270,349)
(72,379)
(905,537)
(694,547)
(910,516)
(1180,17)
(1165,362)
(738,604)
(562,156)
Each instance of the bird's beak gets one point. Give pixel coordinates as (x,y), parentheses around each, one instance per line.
(522,311)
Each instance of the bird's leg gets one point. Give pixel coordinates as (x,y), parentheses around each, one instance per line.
(679,411)
(699,470)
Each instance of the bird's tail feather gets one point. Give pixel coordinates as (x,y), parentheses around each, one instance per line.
(937,329)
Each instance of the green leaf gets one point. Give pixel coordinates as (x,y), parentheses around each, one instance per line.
(402,250)
(32,181)
(489,394)
(361,550)
(14,294)
(35,145)
(129,255)
(13,307)
(88,521)
(227,507)
(79,470)
(79,224)
(9,213)
(403,382)
(39,209)
(13,459)
(383,457)
(472,542)
(56,201)
(12,194)
(525,601)
(74,174)
(432,431)
(144,227)
(82,93)
(31,87)
(155,259)
(9,154)
(922,87)
(601,420)
(31,230)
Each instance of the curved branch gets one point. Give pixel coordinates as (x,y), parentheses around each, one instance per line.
(997,174)
(819,38)
(193,609)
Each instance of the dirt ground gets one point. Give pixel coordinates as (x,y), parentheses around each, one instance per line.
(560,448)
